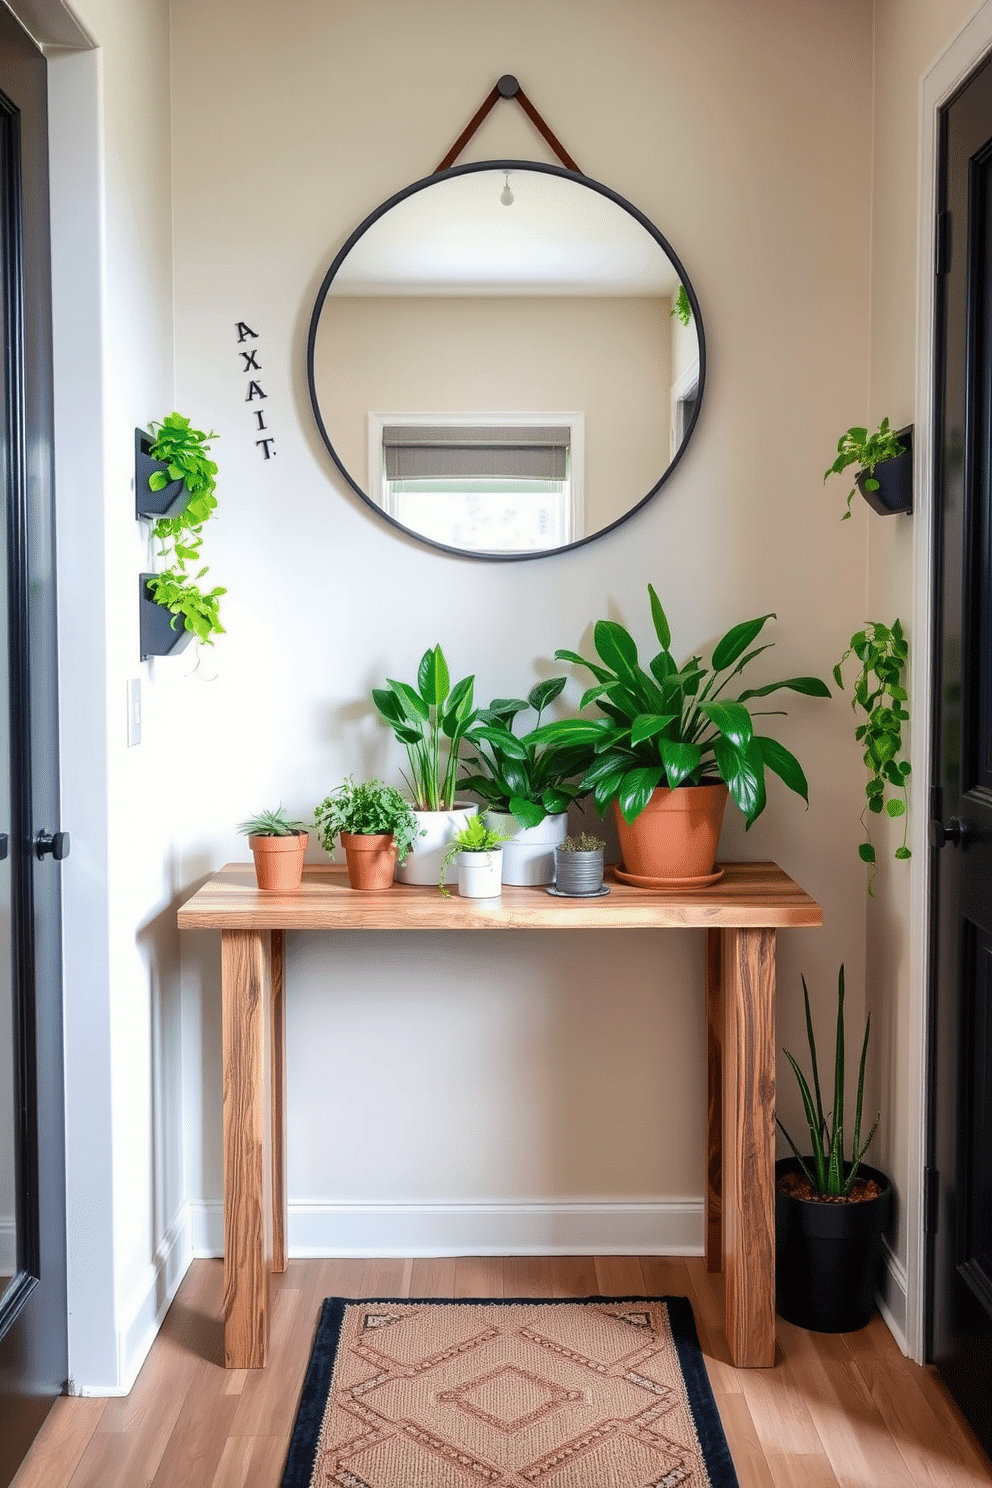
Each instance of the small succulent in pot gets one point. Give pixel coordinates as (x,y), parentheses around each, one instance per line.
(579,865)
(278,844)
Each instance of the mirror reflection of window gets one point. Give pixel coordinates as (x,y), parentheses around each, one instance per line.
(447,299)
(480,482)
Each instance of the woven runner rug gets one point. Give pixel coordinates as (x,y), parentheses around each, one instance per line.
(601,1392)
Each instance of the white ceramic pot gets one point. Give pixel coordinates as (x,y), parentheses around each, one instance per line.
(529,852)
(423,861)
(480,874)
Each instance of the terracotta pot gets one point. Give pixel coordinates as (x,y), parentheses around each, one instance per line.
(371,859)
(676,835)
(279,861)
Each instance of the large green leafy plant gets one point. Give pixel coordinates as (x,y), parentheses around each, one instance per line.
(881,651)
(430,721)
(512,773)
(825,1165)
(185,451)
(671,725)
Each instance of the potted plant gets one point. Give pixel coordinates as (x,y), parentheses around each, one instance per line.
(830,1212)
(885,476)
(478,849)
(671,747)
(430,721)
(278,845)
(377,828)
(525,787)
(579,866)
(182,451)
(880,696)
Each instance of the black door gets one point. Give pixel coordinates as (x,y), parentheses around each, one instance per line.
(33,1330)
(960,1244)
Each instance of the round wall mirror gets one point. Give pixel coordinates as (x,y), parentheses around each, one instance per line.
(506,360)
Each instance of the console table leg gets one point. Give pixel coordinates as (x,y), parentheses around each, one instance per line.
(278,979)
(714,1101)
(748,963)
(246,1013)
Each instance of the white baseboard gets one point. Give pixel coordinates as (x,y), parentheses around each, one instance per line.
(893,1295)
(148,1305)
(650,1227)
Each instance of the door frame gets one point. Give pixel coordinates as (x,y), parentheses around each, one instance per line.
(971,46)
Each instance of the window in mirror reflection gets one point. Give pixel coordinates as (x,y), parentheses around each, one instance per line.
(485,483)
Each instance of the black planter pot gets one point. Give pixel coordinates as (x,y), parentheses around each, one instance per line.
(828,1257)
(171,500)
(158,635)
(895,481)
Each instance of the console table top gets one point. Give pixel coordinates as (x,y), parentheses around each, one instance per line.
(749,895)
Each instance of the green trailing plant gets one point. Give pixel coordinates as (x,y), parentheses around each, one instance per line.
(879,695)
(272,824)
(477,836)
(669,725)
(827,1170)
(857,447)
(367,809)
(513,774)
(682,307)
(423,717)
(585,842)
(184,449)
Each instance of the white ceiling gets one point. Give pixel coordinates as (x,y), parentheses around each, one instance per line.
(455,237)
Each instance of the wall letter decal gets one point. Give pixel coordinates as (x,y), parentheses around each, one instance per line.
(254,391)
(244,330)
(265,446)
(250,361)
(260,419)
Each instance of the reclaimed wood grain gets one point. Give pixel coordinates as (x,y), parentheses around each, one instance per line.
(245,1016)
(277,978)
(754,894)
(749,1145)
(712,1194)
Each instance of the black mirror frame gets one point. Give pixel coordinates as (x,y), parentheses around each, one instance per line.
(463,170)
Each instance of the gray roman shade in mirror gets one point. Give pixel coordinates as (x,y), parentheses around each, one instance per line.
(546,340)
(439,452)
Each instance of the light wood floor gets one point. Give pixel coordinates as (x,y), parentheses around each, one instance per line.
(836,1410)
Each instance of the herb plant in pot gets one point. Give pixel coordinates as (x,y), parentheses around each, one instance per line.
(672,746)
(526,787)
(579,866)
(830,1212)
(278,845)
(430,721)
(377,828)
(477,852)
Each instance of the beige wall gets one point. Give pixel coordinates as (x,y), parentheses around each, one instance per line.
(909,37)
(606,358)
(504,1072)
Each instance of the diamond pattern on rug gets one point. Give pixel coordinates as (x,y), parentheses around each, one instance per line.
(517,1395)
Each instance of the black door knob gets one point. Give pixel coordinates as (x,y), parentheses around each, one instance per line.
(56,843)
(953,832)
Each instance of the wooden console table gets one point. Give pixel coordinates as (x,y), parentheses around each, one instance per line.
(740,914)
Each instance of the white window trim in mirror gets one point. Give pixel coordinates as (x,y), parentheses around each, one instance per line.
(683,387)
(574,515)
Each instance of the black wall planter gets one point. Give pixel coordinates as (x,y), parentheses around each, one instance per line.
(171,500)
(895,481)
(158,637)
(828,1257)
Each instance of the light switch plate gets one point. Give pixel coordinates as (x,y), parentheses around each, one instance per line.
(133,711)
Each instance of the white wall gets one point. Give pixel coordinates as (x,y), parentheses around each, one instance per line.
(112,289)
(498,1072)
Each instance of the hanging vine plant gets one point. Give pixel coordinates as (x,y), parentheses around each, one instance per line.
(185,451)
(881,652)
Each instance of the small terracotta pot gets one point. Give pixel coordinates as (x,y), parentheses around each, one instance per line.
(371,859)
(676,835)
(279,861)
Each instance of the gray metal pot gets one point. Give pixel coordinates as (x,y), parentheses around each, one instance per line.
(578,872)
